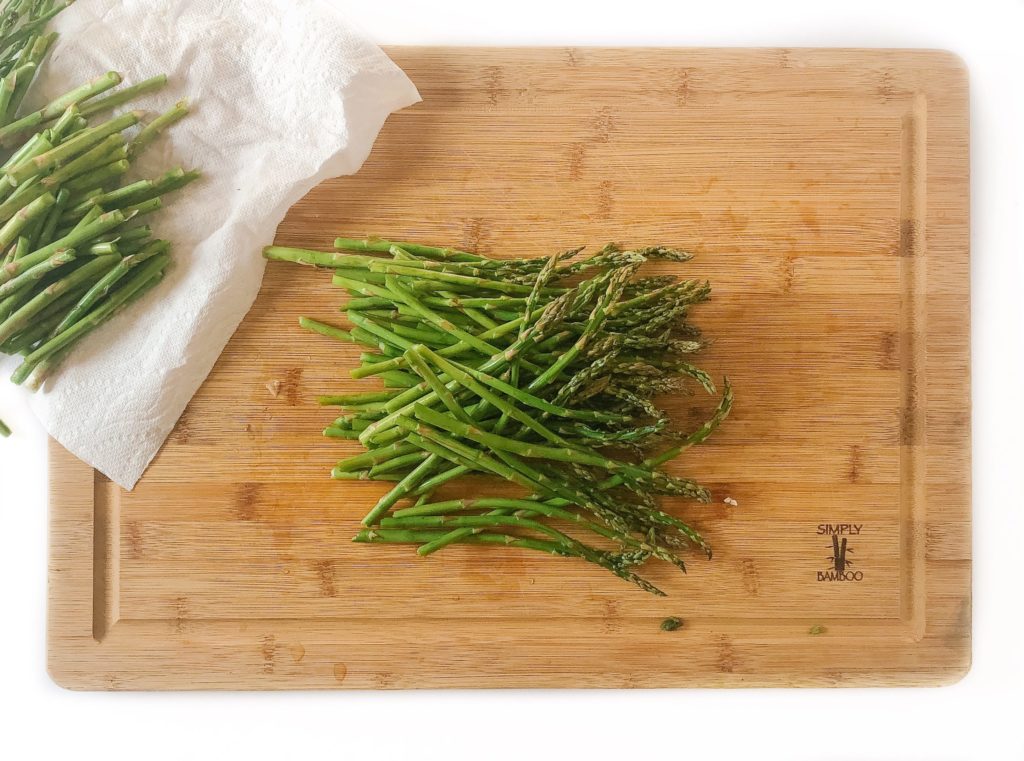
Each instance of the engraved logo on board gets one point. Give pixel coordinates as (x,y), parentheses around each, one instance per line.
(840,562)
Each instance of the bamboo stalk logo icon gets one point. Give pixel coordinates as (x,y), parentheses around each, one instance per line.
(839,550)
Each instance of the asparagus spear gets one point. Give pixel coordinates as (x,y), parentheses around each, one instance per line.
(29,213)
(48,229)
(155,128)
(81,93)
(9,85)
(66,123)
(325,330)
(98,177)
(124,95)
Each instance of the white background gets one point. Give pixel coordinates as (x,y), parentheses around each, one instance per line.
(979,718)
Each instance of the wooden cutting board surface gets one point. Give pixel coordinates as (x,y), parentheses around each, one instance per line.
(826,194)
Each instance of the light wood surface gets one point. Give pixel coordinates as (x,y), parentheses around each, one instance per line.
(826,195)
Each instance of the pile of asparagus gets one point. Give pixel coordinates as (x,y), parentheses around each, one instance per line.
(543,372)
(70,254)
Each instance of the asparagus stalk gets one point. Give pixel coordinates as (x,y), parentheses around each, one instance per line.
(81,93)
(155,128)
(66,123)
(325,330)
(29,213)
(48,229)
(384,246)
(124,95)
(9,85)
(98,177)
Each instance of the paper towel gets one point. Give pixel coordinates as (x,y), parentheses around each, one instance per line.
(285,94)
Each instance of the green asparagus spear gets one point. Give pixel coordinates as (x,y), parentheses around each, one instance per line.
(124,95)
(35,209)
(156,127)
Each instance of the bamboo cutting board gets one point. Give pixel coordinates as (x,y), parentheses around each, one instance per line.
(826,195)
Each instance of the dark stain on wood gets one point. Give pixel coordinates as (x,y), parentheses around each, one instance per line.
(810,219)
(909,426)
(612,621)
(133,536)
(961,628)
(268,649)
(886,85)
(788,273)
(604,125)
(577,152)
(340,672)
(472,235)
(181,615)
(246,500)
(605,199)
(684,86)
(750,581)
(325,573)
(735,222)
(890,350)
(726,655)
(853,474)
(182,432)
(495,84)
(290,386)
(959,421)
(384,679)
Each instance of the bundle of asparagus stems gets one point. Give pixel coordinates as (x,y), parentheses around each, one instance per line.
(543,372)
(70,254)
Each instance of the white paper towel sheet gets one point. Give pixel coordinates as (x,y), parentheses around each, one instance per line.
(284,95)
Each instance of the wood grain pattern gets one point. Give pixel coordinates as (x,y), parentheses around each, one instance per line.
(826,195)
